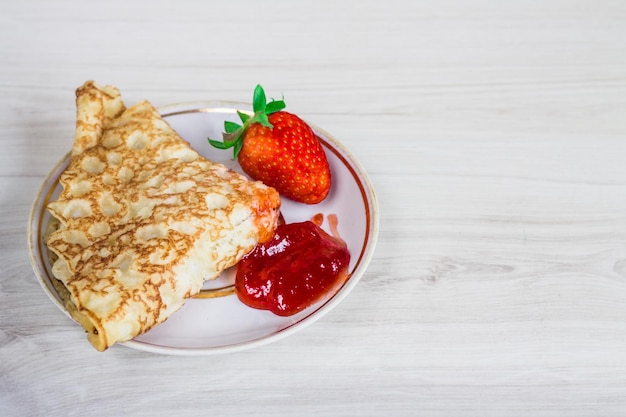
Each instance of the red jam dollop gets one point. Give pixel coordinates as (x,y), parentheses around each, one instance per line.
(299,266)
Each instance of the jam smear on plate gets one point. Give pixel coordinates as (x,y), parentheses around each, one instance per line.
(299,266)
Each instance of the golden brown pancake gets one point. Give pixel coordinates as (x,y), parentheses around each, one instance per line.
(144,219)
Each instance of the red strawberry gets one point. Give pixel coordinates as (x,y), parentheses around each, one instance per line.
(279,149)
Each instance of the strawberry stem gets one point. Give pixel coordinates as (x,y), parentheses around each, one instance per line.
(234,133)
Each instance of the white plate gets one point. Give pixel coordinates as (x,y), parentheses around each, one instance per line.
(224,324)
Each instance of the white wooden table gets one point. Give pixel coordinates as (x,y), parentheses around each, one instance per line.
(495,135)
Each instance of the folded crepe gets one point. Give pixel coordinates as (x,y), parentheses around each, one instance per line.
(143,219)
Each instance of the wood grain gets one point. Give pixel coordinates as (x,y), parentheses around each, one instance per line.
(494,134)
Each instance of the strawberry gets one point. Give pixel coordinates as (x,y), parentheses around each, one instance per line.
(279,149)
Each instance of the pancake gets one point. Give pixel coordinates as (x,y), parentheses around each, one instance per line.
(143,219)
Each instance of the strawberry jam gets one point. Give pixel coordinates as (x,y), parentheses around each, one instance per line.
(296,268)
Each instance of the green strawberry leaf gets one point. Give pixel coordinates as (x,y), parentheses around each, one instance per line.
(218,144)
(274,106)
(243,116)
(237,148)
(258,99)
(231,127)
